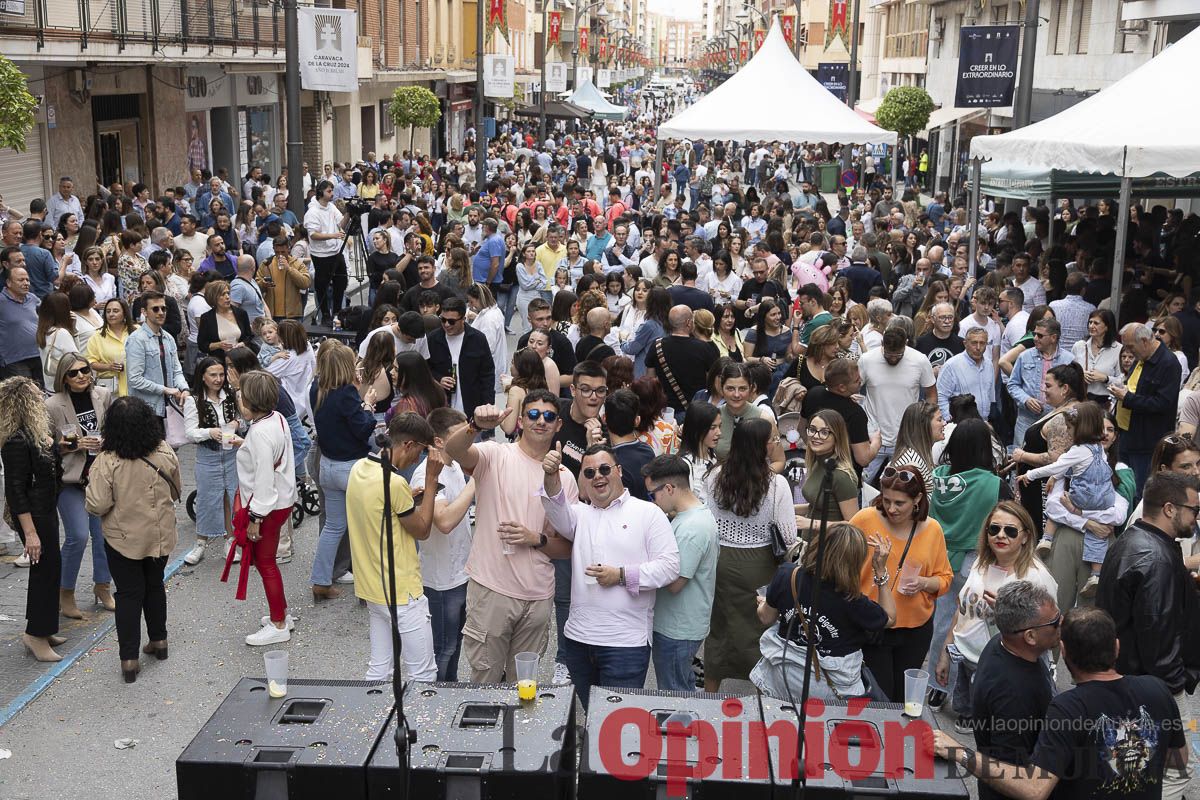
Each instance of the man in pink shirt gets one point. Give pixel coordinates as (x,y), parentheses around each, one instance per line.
(615,207)
(510,587)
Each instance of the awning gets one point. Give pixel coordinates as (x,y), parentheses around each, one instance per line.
(946,115)
(559,109)
(869,106)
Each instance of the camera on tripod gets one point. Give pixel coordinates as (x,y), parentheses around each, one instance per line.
(357,206)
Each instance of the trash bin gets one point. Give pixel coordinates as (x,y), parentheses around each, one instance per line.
(827,177)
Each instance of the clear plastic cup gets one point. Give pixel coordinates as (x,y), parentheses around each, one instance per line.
(527,673)
(228,431)
(908,576)
(916,681)
(276,663)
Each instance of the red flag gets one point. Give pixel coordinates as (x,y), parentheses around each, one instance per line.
(603,47)
(583,39)
(789,27)
(837,15)
(759,38)
(555,23)
(496,12)
(744,48)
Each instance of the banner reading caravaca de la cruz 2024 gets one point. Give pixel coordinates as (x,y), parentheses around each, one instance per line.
(987,66)
(328,49)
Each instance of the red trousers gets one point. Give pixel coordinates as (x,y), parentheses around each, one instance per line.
(264,562)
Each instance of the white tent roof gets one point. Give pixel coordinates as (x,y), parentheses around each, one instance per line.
(1137,127)
(773,98)
(588,96)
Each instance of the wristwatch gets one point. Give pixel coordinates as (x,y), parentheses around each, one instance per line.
(966,758)
(541,542)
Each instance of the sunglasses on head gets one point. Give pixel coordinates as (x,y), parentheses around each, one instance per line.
(534,414)
(604,469)
(1011,531)
(904,476)
(84,370)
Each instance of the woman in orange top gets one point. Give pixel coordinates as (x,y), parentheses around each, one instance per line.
(902,512)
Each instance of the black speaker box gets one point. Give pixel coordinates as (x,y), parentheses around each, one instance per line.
(651,745)
(479,742)
(313,743)
(866,751)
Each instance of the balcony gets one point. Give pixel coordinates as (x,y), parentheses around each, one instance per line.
(140,27)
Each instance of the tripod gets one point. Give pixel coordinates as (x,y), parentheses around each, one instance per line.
(354,231)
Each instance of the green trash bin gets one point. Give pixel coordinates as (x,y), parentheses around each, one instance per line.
(827,177)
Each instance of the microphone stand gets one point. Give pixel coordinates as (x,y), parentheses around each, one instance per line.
(800,781)
(405,736)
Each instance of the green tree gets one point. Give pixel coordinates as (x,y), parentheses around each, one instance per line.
(17,106)
(414,107)
(906,111)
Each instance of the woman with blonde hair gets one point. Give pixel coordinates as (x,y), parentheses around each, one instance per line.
(31,488)
(703,324)
(839,595)
(106,350)
(826,436)
(345,420)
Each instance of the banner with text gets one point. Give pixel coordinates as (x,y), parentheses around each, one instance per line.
(328,49)
(987,66)
(834,77)
(499,76)
(604,78)
(556,76)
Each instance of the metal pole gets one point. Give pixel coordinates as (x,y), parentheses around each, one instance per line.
(480,130)
(851,82)
(973,214)
(1119,248)
(542,89)
(291,91)
(1023,101)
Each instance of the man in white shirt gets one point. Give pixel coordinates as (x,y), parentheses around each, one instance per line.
(1035,293)
(1012,302)
(894,376)
(408,333)
(624,550)
(473,230)
(326,231)
(63,203)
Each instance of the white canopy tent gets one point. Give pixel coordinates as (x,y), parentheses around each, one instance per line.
(589,97)
(773,98)
(1136,128)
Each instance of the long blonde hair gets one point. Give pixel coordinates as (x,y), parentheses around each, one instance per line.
(335,368)
(841,442)
(22,410)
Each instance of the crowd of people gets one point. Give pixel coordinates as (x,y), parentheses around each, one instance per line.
(594,395)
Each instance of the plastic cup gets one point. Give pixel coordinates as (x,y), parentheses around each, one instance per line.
(527,672)
(227,433)
(908,575)
(276,662)
(916,681)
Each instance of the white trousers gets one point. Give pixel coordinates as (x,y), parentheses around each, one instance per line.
(416,641)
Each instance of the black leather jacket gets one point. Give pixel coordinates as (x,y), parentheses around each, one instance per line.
(1146,588)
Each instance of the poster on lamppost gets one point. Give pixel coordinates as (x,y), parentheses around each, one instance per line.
(604,78)
(583,75)
(499,75)
(328,49)
(987,66)
(556,76)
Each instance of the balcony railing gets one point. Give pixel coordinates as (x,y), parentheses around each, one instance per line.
(251,25)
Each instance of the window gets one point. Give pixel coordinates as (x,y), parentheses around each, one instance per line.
(1060,32)
(1083,25)
(999,15)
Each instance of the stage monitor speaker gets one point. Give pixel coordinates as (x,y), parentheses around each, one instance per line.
(313,743)
(479,742)
(653,745)
(856,753)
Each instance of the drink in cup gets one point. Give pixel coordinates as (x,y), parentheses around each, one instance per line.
(276,662)
(527,670)
(916,681)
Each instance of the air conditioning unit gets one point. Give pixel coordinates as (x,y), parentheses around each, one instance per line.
(938,30)
(1136,27)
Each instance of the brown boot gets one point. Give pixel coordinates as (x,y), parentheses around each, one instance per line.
(66,604)
(103,594)
(326,592)
(39,647)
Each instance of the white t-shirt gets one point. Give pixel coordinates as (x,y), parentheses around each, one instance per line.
(327,219)
(994,331)
(890,390)
(1013,331)
(455,343)
(974,628)
(444,556)
(402,346)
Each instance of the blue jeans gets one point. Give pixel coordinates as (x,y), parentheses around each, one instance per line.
(447,612)
(334,477)
(673,663)
(877,463)
(78,526)
(598,665)
(506,299)
(562,603)
(301,442)
(943,616)
(216,482)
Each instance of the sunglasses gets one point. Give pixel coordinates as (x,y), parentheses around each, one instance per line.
(1054,623)
(1011,531)
(652,492)
(534,414)
(604,469)
(74,373)
(904,476)
(451,320)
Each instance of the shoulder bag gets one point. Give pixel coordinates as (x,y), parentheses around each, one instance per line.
(674,384)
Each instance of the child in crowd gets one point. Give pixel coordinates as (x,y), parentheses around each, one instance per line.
(267,332)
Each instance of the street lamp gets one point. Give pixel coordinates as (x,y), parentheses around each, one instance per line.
(545,53)
(583,12)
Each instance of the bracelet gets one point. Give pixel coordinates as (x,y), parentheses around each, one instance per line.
(622,579)
(880,580)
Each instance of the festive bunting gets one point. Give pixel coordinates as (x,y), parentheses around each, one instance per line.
(759,38)
(497,17)
(788,22)
(744,50)
(603,47)
(583,39)
(839,25)
(555,25)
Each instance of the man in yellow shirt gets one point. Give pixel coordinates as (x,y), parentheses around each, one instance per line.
(410,437)
(551,252)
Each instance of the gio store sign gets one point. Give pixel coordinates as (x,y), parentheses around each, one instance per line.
(198,86)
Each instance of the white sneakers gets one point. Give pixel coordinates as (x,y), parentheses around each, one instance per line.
(347,578)
(1089,588)
(196,554)
(22,560)
(1044,547)
(270,635)
(237,557)
(561,674)
(291,621)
